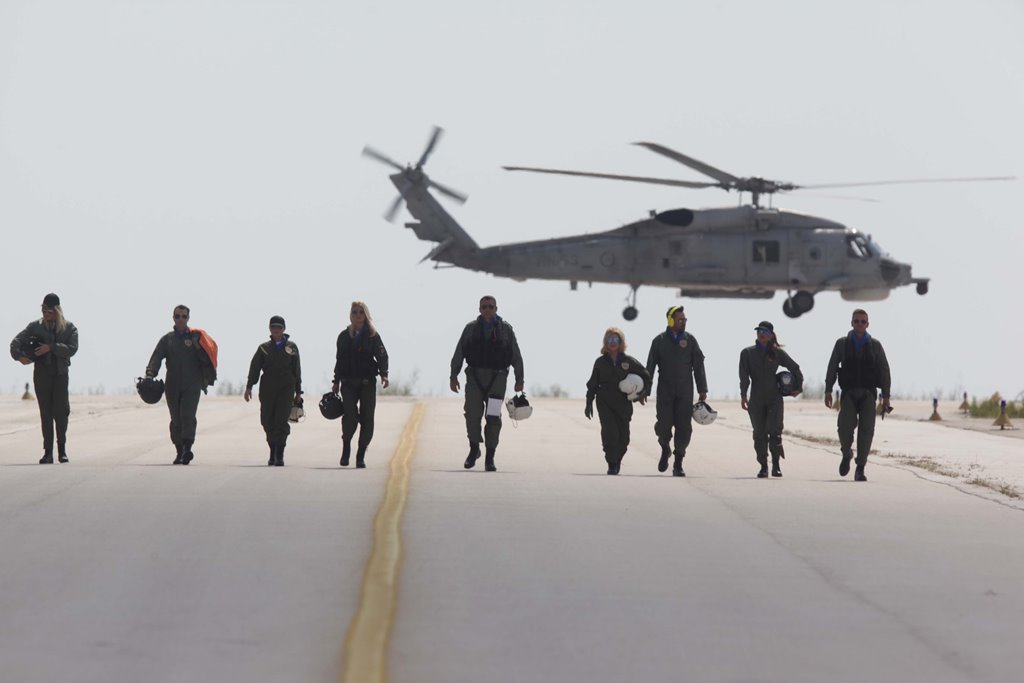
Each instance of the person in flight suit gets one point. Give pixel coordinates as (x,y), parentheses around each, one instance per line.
(488,345)
(859,361)
(186,361)
(280,386)
(49,343)
(758,365)
(614,408)
(360,357)
(679,360)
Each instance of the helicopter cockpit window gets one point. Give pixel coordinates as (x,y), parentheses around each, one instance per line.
(857,247)
(766,251)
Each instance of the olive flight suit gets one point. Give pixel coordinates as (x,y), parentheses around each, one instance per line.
(860,373)
(680,362)
(360,358)
(488,350)
(281,380)
(765,407)
(50,377)
(183,384)
(614,408)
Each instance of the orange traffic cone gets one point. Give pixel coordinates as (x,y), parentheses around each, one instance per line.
(1002,421)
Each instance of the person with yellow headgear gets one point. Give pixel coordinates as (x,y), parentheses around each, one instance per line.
(680,362)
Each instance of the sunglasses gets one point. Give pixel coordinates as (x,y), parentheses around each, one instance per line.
(763,331)
(356,311)
(49,310)
(612,340)
(487,306)
(180,317)
(859,321)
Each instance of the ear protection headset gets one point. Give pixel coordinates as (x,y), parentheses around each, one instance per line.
(671,312)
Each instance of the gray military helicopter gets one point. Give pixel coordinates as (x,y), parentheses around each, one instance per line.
(744,252)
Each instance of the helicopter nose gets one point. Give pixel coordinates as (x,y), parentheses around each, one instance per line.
(894,272)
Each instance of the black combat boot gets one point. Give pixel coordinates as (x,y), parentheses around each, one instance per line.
(777,454)
(489,462)
(186,452)
(858,475)
(346,451)
(677,466)
(844,464)
(177,458)
(279,456)
(62,453)
(361,457)
(663,461)
(47,458)
(763,472)
(273,448)
(776,470)
(474,455)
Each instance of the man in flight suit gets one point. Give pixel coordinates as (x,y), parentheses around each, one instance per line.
(859,361)
(185,363)
(677,355)
(489,347)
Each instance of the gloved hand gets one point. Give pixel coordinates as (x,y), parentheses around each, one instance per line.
(589,411)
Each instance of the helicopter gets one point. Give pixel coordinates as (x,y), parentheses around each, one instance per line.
(749,251)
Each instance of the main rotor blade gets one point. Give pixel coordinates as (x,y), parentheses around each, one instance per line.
(699,166)
(457,196)
(379,156)
(434,137)
(393,210)
(908,182)
(818,195)
(610,176)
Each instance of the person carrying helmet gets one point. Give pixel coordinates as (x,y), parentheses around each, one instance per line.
(280,386)
(614,373)
(758,365)
(188,374)
(680,362)
(49,343)
(859,361)
(488,346)
(360,357)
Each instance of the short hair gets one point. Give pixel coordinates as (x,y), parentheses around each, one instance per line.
(488,297)
(188,311)
(858,310)
(617,332)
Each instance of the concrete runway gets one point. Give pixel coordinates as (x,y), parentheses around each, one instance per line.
(121,567)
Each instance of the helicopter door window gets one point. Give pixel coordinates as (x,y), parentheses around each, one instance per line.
(766,251)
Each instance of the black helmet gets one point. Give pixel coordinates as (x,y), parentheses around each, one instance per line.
(151,390)
(787,383)
(28,348)
(331,406)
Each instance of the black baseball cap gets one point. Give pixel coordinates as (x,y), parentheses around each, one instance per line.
(766,326)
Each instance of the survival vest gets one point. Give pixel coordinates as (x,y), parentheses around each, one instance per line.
(491,351)
(859,371)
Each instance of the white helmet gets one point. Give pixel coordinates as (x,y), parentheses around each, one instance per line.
(703,414)
(632,385)
(518,407)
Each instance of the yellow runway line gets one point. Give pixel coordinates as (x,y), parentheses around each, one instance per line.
(366,646)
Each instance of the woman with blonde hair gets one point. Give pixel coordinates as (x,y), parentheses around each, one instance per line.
(49,343)
(360,358)
(614,373)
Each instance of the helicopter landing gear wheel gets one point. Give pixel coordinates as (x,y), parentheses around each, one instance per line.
(630,312)
(797,304)
(803,301)
(922,288)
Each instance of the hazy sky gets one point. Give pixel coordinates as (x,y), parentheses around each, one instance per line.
(208,153)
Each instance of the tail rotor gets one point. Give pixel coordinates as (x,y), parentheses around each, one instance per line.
(409,175)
